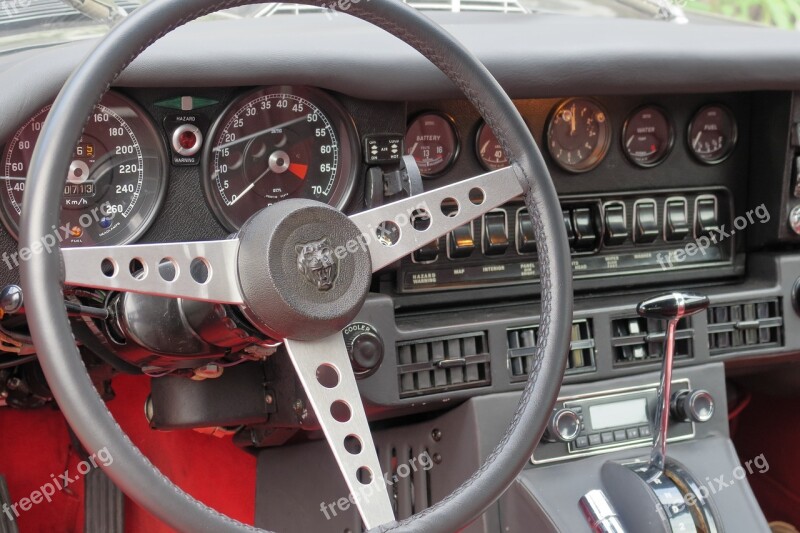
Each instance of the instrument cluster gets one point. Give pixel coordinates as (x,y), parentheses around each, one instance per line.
(263,145)
(578,136)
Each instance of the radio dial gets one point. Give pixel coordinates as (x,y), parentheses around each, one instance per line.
(564,426)
(692,405)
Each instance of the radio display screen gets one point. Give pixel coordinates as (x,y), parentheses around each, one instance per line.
(626,413)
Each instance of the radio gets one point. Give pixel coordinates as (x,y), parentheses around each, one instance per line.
(608,421)
(609,235)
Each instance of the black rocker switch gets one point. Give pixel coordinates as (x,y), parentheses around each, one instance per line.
(677,227)
(568,225)
(646,222)
(462,242)
(616,226)
(495,233)
(526,238)
(706,217)
(585,233)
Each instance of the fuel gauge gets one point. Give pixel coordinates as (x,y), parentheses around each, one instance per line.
(712,134)
(647,136)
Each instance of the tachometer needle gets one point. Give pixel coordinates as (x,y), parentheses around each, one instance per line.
(248,188)
(259,134)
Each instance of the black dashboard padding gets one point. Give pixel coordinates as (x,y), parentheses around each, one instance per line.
(50,329)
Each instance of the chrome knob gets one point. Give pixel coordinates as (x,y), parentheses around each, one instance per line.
(564,426)
(692,405)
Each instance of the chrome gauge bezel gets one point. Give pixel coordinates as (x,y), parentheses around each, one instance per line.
(156,148)
(341,121)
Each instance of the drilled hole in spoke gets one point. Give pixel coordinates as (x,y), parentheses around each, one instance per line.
(477,196)
(108,267)
(137,268)
(364,475)
(388,233)
(353,444)
(450,207)
(168,269)
(200,270)
(327,376)
(420,220)
(340,411)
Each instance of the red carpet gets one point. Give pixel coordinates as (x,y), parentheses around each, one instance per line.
(36,444)
(771,426)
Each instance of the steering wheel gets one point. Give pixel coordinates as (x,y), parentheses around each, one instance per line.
(259,269)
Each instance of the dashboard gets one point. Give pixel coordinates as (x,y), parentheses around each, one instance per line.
(671,173)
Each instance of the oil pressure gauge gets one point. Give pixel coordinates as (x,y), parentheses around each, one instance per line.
(712,134)
(578,134)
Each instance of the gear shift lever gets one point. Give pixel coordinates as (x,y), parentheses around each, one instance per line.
(671,307)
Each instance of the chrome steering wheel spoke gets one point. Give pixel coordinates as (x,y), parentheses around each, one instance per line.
(193,270)
(396,230)
(327,377)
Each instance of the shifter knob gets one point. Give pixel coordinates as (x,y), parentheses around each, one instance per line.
(673,306)
(670,307)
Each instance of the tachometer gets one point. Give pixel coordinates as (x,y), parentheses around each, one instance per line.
(114,185)
(277,143)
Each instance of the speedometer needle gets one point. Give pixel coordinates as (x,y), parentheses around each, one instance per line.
(259,133)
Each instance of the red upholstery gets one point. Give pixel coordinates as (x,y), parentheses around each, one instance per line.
(35,444)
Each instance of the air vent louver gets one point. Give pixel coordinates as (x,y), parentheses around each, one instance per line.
(522,344)
(641,340)
(443,364)
(744,326)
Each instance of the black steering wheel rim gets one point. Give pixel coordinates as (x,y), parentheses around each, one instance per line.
(42,274)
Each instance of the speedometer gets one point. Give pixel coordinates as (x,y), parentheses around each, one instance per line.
(115,182)
(277,143)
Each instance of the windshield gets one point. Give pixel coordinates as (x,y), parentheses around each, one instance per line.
(31,23)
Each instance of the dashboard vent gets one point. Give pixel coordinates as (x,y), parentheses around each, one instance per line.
(641,340)
(522,345)
(744,326)
(408,471)
(443,364)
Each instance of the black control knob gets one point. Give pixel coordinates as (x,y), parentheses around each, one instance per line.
(365,348)
(692,405)
(564,426)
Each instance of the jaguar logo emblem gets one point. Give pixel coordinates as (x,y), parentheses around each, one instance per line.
(316,261)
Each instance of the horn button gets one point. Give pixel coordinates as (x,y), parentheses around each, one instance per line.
(304,270)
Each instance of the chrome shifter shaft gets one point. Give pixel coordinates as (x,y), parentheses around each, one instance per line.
(671,307)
